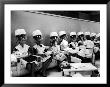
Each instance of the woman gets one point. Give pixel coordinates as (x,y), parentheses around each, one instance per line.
(55,48)
(63,42)
(89,48)
(41,50)
(20,51)
(80,36)
(93,35)
(74,45)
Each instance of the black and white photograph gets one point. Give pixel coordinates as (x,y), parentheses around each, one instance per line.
(55,43)
(45,43)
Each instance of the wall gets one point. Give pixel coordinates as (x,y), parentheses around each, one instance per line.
(47,24)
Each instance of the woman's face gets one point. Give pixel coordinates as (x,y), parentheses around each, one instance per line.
(37,39)
(21,39)
(88,37)
(63,37)
(54,38)
(73,37)
(81,37)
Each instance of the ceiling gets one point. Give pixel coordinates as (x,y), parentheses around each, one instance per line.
(87,15)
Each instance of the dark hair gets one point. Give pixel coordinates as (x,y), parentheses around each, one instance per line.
(88,37)
(63,36)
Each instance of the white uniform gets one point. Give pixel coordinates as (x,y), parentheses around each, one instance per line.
(64,45)
(55,49)
(40,49)
(21,52)
(74,44)
(58,55)
(81,51)
(89,48)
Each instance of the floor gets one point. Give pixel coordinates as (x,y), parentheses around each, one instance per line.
(54,73)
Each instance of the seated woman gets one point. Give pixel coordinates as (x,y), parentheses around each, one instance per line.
(41,51)
(73,40)
(63,40)
(74,45)
(64,46)
(20,51)
(34,62)
(97,52)
(89,48)
(54,48)
(81,51)
(58,57)
(97,47)
(78,49)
